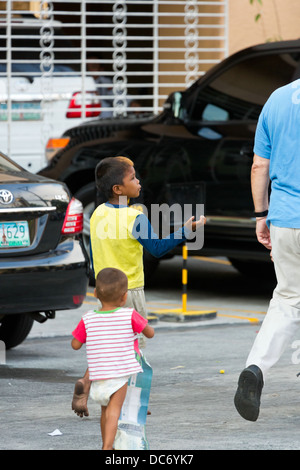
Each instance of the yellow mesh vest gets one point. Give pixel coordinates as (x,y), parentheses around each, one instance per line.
(113,245)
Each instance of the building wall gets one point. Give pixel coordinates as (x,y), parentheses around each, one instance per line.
(192,55)
(280,20)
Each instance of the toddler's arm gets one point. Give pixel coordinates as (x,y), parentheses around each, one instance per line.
(148,331)
(76,344)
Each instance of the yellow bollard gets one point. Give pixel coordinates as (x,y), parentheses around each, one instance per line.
(183,314)
(184,278)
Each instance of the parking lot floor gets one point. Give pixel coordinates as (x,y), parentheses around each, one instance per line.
(195,371)
(196,365)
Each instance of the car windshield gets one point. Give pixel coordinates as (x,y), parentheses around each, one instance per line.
(241,91)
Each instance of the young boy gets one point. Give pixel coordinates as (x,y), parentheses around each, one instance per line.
(118,235)
(111,348)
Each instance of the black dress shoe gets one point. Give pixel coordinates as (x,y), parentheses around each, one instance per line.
(247,397)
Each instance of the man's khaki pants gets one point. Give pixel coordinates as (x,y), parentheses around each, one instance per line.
(283,317)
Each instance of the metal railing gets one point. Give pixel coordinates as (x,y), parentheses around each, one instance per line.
(138,50)
(148,48)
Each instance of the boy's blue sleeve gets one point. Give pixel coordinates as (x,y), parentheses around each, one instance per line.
(143,232)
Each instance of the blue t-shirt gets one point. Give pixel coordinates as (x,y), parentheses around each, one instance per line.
(278,139)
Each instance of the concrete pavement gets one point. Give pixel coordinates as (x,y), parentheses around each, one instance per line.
(196,365)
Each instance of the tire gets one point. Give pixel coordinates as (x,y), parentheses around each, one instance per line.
(15,328)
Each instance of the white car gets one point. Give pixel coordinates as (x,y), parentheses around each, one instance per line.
(36,104)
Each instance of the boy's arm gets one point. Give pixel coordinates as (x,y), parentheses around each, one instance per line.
(143,232)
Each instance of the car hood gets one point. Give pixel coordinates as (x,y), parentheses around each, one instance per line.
(109,125)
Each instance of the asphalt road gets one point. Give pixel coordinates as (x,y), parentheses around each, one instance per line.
(195,371)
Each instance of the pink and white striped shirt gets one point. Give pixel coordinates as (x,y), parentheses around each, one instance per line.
(110,338)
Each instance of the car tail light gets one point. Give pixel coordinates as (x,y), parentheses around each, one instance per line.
(92,105)
(54,145)
(73,223)
(78,299)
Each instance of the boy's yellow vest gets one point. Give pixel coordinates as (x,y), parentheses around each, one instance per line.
(113,245)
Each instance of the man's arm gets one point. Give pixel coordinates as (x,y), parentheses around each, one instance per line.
(260,185)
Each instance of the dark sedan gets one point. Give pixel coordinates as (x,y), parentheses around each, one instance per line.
(198,150)
(43,264)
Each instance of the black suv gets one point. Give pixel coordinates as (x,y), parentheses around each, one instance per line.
(199,149)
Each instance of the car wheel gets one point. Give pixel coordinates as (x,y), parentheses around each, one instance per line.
(15,328)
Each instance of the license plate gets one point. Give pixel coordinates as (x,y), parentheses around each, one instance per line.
(14,234)
(22,111)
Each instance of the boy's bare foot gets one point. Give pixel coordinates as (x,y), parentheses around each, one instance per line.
(80,397)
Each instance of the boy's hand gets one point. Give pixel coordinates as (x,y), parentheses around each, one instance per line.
(193,225)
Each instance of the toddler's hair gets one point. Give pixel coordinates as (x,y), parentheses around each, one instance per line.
(111,284)
(111,171)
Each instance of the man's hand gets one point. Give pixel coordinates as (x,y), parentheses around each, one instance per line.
(263,233)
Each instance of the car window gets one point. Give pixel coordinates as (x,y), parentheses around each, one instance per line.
(8,165)
(212,112)
(240,92)
(33,69)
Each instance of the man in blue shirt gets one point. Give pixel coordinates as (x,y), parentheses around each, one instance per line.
(276,159)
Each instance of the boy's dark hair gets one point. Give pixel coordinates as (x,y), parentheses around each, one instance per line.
(111,284)
(111,171)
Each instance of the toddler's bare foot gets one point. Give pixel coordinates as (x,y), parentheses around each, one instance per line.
(80,397)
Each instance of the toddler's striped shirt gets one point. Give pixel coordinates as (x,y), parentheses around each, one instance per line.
(110,337)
